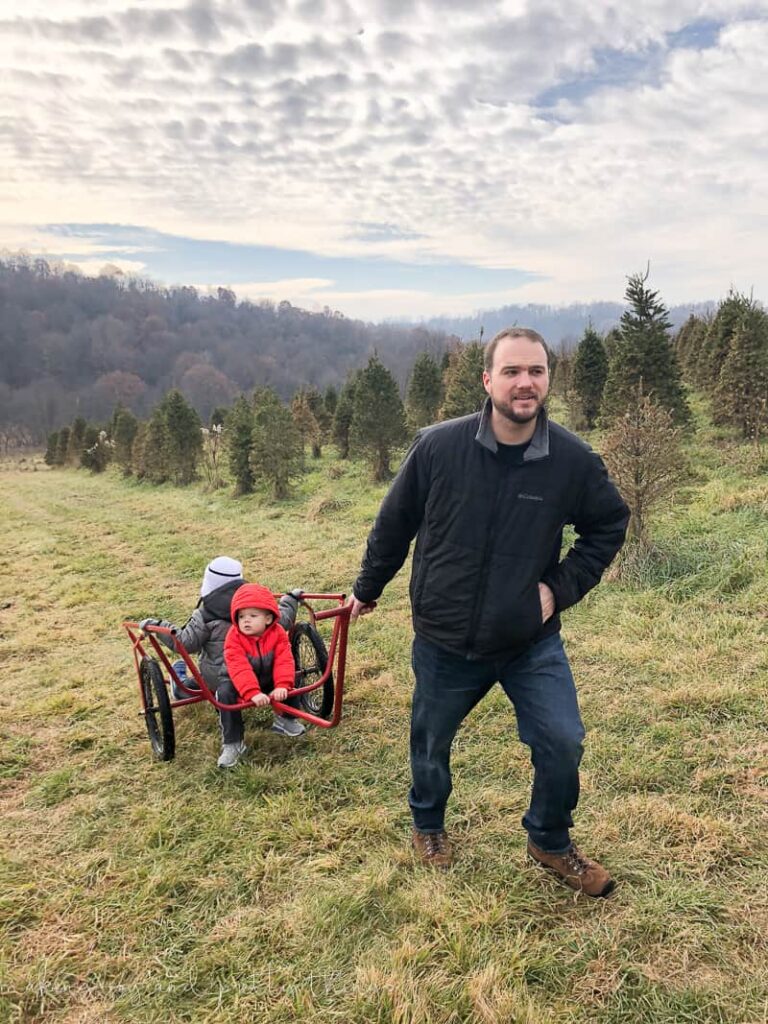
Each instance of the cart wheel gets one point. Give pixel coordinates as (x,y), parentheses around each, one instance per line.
(311,656)
(157,710)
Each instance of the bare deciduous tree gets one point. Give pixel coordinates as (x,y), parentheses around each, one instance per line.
(642,452)
(212,452)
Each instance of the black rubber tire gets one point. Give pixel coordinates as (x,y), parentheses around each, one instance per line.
(311,657)
(158,714)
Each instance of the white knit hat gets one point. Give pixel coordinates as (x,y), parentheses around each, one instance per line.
(218,572)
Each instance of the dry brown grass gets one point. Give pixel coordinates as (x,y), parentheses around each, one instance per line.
(286,891)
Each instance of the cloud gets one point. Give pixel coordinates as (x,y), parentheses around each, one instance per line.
(294,289)
(383,233)
(374,304)
(76,247)
(112,268)
(572,140)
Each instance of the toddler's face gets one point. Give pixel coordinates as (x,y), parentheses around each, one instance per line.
(253,621)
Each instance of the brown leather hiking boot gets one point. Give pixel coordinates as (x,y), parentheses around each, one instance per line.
(576,870)
(433,849)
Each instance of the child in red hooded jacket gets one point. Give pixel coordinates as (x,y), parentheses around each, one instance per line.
(257,662)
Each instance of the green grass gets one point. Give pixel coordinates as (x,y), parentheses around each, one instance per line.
(286,891)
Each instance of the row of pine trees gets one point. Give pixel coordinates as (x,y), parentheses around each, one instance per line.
(628,381)
(631,384)
(260,439)
(723,355)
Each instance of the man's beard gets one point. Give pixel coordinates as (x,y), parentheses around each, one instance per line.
(515,417)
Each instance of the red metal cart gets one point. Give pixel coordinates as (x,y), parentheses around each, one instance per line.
(319,683)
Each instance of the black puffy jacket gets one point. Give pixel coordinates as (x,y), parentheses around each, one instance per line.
(489,532)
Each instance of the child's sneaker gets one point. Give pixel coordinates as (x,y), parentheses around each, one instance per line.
(288,725)
(231,753)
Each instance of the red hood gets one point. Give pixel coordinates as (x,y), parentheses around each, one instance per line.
(253,595)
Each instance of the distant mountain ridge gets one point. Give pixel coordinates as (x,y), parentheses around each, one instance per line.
(73,345)
(561,326)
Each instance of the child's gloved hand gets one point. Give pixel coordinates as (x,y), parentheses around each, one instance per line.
(280,693)
(297,592)
(261,700)
(148,622)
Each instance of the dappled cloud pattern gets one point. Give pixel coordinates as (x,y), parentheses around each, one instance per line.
(570,141)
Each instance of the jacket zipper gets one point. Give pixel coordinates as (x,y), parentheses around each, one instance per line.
(261,661)
(484,566)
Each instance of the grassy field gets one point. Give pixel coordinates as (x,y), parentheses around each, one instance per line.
(285,890)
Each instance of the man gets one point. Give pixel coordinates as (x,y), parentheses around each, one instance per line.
(487,497)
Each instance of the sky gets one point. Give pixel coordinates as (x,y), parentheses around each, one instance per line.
(391,158)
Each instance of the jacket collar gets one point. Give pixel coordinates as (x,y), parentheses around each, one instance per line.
(539,444)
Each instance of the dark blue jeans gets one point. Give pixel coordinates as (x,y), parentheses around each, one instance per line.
(540,685)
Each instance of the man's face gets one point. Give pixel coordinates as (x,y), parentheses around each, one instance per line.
(254,621)
(519,379)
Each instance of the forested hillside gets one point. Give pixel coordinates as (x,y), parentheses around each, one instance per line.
(77,345)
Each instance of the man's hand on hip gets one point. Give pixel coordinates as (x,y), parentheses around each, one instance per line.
(547,599)
(358,608)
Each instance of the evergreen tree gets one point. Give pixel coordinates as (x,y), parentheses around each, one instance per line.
(51,449)
(238,434)
(644,355)
(741,396)
(218,416)
(554,363)
(184,437)
(113,419)
(610,342)
(330,401)
(96,451)
(561,386)
(590,368)
(687,343)
(277,451)
(306,423)
(123,431)
(425,392)
(378,418)
(89,440)
(322,418)
(63,449)
(154,461)
(625,371)
(561,383)
(464,391)
(717,340)
(76,442)
(342,417)
(138,451)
